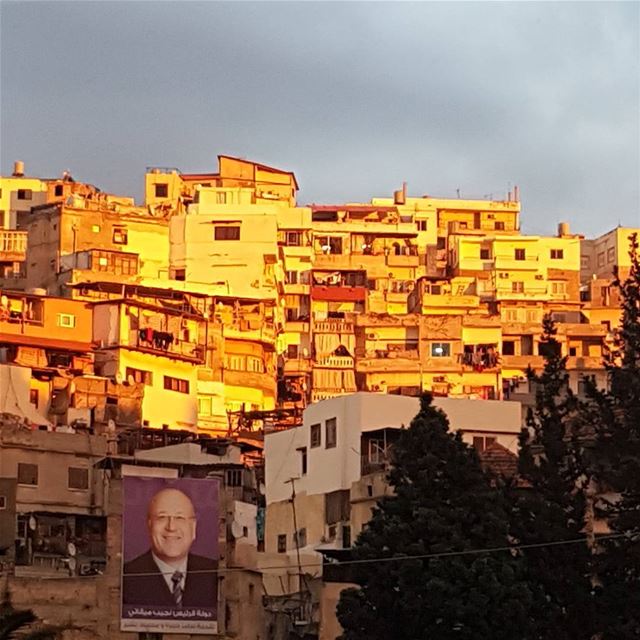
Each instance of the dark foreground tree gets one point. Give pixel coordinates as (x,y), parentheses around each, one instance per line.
(443,504)
(21,623)
(615,414)
(549,503)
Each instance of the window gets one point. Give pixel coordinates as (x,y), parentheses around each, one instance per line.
(611,254)
(601,259)
(442,243)
(176,384)
(227,233)
(66,320)
(291,277)
(233,477)
(59,190)
(520,254)
(557,254)
(485,254)
(204,406)
(255,365)
(480,443)
(294,238)
(180,274)
(508,348)
(517,287)
(330,245)
(337,506)
(95,228)
(292,351)
(330,433)
(162,189)
(27,473)
(25,194)
(498,226)
(558,287)
(3,503)
(300,538)
(33,396)
(422,225)
(78,478)
(440,350)
(120,235)
(139,375)
(282,543)
(316,435)
(303,460)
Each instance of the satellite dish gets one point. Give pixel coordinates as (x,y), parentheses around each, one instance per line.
(262,489)
(32,523)
(111,426)
(130,379)
(237,530)
(119,378)
(71,549)
(73,563)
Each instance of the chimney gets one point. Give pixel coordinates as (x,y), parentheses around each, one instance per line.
(516,194)
(18,169)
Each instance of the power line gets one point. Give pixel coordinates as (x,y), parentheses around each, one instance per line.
(424,556)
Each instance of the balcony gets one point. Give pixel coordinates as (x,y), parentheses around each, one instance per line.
(165,343)
(480,360)
(333,325)
(580,363)
(449,300)
(265,382)
(335,362)
(507,262)
(522,362)
(13,245)
(339,293)
(403,260)
(116,263)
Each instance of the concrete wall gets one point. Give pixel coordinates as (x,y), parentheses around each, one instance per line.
(337,468)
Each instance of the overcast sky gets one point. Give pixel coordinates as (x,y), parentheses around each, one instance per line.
(352,97)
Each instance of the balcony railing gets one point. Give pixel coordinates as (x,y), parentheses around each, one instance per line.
(164,342)
(13,245)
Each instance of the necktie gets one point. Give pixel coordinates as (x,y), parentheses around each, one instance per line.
(176,578)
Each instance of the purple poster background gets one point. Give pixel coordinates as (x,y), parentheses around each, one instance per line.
(138,492)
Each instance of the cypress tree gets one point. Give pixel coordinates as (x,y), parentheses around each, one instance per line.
(443,503)
(615,415)
(549,502)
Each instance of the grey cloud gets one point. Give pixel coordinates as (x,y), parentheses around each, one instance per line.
(354,97)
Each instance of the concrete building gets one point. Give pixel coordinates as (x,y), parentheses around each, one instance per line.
(336,464)
(61,524)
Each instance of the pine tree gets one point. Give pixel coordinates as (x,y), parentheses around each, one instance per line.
(551,505)
(615,415)
(443,503)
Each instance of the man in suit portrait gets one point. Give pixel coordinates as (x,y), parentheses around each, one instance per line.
(168,574)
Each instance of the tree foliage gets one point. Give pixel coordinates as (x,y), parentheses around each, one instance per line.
(615,415)
(443,503)
(549,504)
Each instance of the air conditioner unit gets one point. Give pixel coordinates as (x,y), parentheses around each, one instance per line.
(371,336)
(539,277)
(504,275)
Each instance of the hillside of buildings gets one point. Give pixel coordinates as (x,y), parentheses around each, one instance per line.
(220,325)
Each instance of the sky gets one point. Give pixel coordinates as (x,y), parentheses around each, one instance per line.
(354,97)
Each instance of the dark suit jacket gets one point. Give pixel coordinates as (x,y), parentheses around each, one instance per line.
(200,590)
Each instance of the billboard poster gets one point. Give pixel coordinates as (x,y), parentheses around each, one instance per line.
(170,555)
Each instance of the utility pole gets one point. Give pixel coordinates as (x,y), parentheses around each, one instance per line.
(292,480)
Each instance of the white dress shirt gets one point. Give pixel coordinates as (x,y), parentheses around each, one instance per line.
(168,570)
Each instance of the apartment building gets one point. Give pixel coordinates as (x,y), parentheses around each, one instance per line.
(97,238)
(61,525)
(351,436)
